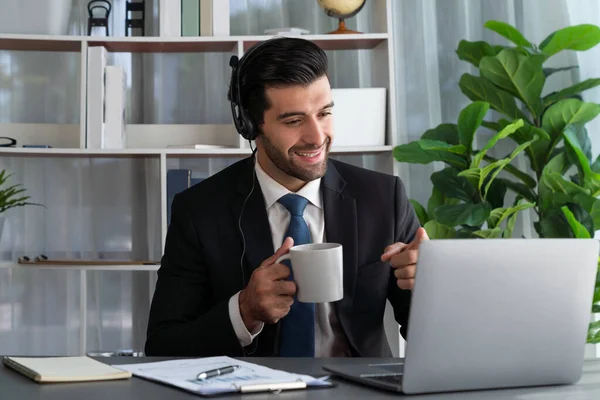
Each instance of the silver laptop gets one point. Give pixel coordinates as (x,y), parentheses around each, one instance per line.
(492,313)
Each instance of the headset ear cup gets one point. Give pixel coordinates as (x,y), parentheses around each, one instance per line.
(249,131)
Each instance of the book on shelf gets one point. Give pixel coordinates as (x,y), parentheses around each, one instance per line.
(190,17)
(106,99)
(115,98)
(97,61)
(197,18)
(169,17)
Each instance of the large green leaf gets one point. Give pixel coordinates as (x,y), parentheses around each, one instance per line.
(558,164)
(509,32)
(435,230)
(590,179)
(573,145)
(420,211)
(500,214)
(436,199)
(514,171)
(489,233)
(596,165)
(451,185)
(571,91)
(579,37)
(518,74)
(554,223)
(502,165)
(578,229)
(494,126)
(510,226)
(517,187)
(415,153)
(473,51)
(437,145)
(469,120)
(585,144)
(555,120)
(444,133)
(479,88)
(496,193)
(524,134)
(505,132)
(472,175)
(463,214)
(550,71)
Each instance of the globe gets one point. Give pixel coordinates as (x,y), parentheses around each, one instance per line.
(342,10)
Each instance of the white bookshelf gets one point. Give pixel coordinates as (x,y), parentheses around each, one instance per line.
(119,153)
(78,267)
(156,44)
(68,141)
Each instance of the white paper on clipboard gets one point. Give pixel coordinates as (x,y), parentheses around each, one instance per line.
(246,379)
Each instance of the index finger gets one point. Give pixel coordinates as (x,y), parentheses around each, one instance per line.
(285,247)
(391,250)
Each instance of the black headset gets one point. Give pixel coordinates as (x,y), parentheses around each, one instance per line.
(242,119)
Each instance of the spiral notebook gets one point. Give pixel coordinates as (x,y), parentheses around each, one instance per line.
(64,369)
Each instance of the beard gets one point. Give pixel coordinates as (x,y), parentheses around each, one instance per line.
(285,162)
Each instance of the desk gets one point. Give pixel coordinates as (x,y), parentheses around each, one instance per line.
(16,386)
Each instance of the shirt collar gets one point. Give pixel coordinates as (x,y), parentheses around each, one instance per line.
(273,190)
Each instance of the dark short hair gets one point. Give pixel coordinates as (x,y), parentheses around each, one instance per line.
(277,63)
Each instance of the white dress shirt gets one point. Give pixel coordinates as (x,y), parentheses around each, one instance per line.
(330,340)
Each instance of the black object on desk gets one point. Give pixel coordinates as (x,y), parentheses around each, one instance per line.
(216,372)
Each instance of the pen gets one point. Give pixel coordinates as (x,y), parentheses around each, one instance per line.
(216,372)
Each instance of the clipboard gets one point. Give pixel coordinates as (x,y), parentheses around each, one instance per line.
(249,378)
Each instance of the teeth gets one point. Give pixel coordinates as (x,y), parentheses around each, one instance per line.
(308,154)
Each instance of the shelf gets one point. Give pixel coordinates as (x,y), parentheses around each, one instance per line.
(355,41)
(129,153)
(165,45)
(14,265)
(186,44)
(40,43)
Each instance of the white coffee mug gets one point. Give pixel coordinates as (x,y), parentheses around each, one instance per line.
(318,270)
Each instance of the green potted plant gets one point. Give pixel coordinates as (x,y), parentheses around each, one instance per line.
(11,196)
(562,182)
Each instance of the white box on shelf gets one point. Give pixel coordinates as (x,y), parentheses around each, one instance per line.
(214,18)
(359,116)
(169,18)
(114,108)
(154,136)
(97,60)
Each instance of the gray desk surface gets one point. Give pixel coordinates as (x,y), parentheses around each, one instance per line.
(16,386)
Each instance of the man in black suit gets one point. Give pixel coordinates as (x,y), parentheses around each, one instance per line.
(219,290)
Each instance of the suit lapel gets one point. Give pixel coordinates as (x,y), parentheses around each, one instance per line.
(249,210)
(340,227)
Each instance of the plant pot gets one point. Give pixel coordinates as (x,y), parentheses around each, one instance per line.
(1,226)
(47,17)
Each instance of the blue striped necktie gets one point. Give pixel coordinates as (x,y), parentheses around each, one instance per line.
(298,327)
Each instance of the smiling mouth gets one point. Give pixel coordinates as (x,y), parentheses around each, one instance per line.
(309,154)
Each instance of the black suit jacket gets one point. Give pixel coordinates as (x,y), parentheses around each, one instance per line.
(203,267)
